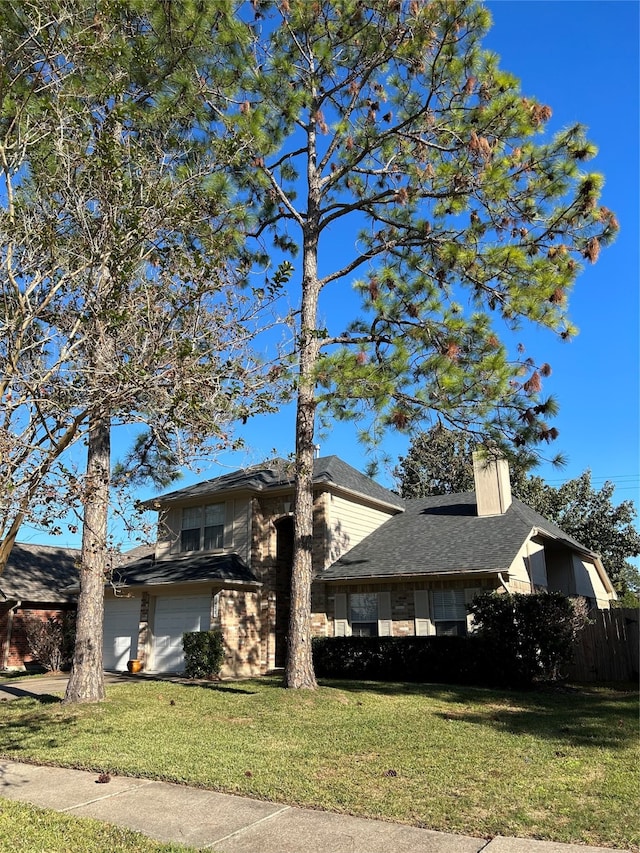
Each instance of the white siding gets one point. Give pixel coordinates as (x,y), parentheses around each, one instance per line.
(237,530)
(518,570)
(349,523)
(588,582)
(537,565)
(168,532)
(469,594)
(241,521)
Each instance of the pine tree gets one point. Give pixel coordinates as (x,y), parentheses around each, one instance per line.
(388,122)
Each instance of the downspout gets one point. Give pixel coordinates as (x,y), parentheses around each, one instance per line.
(7,649)
(502,581)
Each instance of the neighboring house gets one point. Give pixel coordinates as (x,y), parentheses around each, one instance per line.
(34,584)
(382,565)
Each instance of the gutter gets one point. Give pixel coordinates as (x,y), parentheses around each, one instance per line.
(403,577)
(119,588)
(502,581)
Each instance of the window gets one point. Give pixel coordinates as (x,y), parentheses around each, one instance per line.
(364,614)
(449,612)
(190,533)
(213,526)
(202,528)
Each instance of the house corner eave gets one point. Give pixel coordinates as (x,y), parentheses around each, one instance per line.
(593,556)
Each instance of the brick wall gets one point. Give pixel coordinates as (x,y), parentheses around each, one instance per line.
(273,615)
(144,630)
(14,648)
(402,601)
(239,617)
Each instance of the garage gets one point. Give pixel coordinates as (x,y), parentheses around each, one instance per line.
(173,616)
(120,637)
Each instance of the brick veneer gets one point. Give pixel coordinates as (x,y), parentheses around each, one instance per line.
(239,619)
(402,600)
(265,512)
(14,647)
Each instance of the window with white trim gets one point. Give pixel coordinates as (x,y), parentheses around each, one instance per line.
(363,614)
(202,528)
(449,613)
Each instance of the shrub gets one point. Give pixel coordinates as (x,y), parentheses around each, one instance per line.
(51,641)
(203,653)
(530,636)
(518,639)
(447,660)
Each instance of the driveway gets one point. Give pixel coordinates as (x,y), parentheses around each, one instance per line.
(46,685)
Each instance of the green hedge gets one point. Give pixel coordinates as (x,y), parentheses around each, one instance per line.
(448,660)
(203,653)
(519,639)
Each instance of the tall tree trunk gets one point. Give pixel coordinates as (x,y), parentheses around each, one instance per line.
(86,683)
(299,670)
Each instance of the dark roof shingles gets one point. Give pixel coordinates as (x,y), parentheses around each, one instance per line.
(439,535)
(40,573)
(279,473)
(228,568)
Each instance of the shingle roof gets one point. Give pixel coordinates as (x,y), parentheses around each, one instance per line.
(332,470)
(443,534)
(40,573)
(278,473)
(228,568)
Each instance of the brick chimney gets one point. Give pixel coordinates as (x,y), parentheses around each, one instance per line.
(493,486)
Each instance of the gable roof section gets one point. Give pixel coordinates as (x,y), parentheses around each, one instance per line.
(442,535)
(279,474)
(226,568)
(333,471)
(40,573)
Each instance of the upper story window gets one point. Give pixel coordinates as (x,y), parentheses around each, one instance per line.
(202,528)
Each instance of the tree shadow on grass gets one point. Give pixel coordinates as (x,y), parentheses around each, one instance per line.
(25,693)
(219,687)
(204,684)
(574,718)
(22,735)
(402,688)
(570,715)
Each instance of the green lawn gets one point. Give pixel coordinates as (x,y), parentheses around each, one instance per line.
(558,765)
(27,829)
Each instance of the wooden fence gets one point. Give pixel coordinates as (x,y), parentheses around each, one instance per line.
(607,648)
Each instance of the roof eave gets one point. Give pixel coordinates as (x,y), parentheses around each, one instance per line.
(412,576)
(595,558)
(226,584)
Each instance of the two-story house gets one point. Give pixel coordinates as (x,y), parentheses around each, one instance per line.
(382,565)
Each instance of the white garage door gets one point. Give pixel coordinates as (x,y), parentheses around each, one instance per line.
(120,636)
(173,616)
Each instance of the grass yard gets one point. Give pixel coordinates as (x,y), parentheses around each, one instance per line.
(558,765)
(25,829)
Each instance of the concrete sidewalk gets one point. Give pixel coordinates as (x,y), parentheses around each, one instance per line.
(223,822)
(229,824)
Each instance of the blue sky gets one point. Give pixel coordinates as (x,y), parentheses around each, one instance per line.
(580,58)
